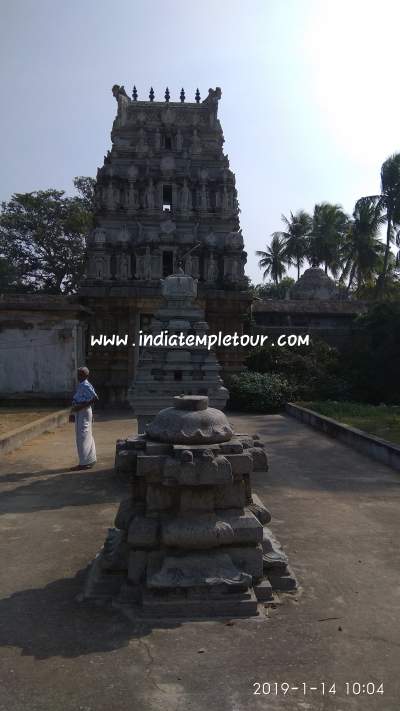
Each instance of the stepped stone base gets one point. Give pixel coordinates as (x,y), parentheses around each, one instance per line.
(263,591)
(191,540)
(232,605)
(106,585)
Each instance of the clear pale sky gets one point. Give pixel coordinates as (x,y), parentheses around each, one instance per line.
(310,105)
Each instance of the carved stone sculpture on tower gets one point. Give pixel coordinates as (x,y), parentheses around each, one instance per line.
(99,236)
(133,202)
(188,264)
(214,95)
(142,146)
(147,264)
(196,142)
(226,200)
(179,140)
(185,198)
(157,139)
(123,101)
(212,269)
(203,197)
(124,235)
(123,267)
(149,196)
(99,267)
(110,198)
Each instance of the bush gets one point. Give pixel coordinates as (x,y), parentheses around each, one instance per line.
(372,358)
(313,372)
(258,392)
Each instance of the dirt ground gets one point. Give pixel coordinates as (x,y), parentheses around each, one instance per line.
(13,417)
(336,514)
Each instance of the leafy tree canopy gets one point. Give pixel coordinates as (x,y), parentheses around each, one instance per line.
(330,224)
(296,237)
(43,239)
(273,261)
(273,291)
(373,355)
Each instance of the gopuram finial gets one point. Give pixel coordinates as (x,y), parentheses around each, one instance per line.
(151,94)
(166,95)
(134,93)
(197,96)
(182,95)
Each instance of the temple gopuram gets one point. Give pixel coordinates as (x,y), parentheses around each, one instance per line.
(165,197)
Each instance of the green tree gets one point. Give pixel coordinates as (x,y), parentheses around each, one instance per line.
(43,238)
(269,290)
(85,188)
(389,202)
(8,277)
(362,250)
(329,226)
(273,260)
(373,355)
(295,237)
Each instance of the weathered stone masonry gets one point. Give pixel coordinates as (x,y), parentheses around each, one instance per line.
(165,193)
(191,538)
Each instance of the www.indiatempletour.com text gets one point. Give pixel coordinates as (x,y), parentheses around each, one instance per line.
(166,339)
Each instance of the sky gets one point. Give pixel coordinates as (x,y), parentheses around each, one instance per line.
(310,103)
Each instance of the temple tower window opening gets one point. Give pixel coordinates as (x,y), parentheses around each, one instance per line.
(167,262)
(167,198)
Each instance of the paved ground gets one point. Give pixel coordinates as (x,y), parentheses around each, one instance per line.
(336,514)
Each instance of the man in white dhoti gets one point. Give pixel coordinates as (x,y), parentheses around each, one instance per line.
(81,414)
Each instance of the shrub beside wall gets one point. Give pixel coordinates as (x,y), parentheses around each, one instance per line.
(258,392)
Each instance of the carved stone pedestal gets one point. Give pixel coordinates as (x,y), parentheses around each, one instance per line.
(190,539)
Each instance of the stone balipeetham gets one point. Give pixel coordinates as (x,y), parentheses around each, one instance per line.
(191,541)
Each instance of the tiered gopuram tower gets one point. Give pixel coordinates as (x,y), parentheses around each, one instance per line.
(164,194)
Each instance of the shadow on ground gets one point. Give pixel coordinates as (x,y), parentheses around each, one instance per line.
(50,622)
(294,465)
(61,488)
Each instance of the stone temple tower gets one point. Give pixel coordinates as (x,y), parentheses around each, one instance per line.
(164,194)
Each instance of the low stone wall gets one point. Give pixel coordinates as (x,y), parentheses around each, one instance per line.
(15,438)
(372,446)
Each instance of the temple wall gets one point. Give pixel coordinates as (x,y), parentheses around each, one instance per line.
(39,353)
(332,322)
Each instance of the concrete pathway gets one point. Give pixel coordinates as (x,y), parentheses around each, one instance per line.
(336,513)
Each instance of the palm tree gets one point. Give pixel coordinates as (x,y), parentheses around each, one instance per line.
(330,224)
(298,228)
(273,260)
(362,249)
(389,201)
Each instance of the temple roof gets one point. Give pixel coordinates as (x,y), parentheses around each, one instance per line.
(312,306)
(314,284)
(41,302)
